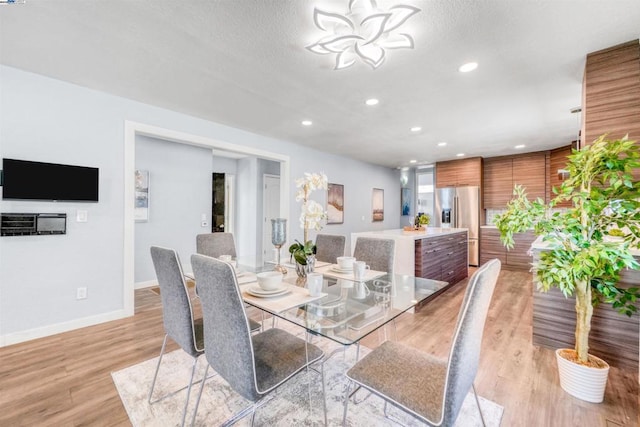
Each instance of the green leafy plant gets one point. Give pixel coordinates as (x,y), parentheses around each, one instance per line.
(300,252)
(581,259)
(423,219)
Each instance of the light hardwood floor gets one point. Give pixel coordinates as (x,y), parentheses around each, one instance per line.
(65,380)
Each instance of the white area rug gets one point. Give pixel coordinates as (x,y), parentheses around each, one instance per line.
(288,407)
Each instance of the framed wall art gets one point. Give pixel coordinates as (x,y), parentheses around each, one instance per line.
(335,203)
(377,204)
(405,201)
(141,212)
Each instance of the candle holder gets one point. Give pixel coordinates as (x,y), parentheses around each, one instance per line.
(279,238)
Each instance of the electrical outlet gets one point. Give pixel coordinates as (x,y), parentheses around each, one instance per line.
(81,216)
(81,293)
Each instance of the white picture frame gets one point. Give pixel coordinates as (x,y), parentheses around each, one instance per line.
(141,211)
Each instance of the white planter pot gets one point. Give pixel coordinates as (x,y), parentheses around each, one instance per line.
(580,381)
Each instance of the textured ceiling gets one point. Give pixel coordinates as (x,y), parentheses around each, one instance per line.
(243,63)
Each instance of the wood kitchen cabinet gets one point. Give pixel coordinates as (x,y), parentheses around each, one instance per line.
(515,258)
(501,174)
(530,172)
(557,161)
(459,173)
(442,257)
(498,182)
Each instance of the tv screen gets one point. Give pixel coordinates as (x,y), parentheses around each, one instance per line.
(26,180)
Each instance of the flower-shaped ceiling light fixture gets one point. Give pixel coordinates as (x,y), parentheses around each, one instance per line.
(364,32)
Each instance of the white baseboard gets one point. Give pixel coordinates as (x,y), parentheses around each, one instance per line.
(45,331)
(147,284)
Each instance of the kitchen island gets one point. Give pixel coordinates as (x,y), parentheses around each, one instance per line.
(435,253)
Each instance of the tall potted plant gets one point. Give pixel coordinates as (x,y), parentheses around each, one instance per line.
(582,259)
(311,216)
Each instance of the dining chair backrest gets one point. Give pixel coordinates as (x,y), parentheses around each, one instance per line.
(216,244)
(464,356)
(227,334)
(377,253)
(177,312)
(329,248)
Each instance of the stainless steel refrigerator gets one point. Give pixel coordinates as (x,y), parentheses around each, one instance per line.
(459,207)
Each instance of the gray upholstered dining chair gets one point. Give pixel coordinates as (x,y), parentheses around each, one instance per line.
(253,365)
(329,247)
(216,244)
(426,387)
(377,253)
(177,314)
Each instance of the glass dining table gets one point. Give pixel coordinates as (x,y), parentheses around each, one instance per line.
(347,310)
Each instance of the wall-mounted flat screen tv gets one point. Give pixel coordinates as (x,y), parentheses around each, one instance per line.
(26,180)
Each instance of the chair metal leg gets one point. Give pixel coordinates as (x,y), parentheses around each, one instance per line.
(195,410)
(153,383)
(186,402)
(473,387)
(324,394)
(244,412)
(346,404)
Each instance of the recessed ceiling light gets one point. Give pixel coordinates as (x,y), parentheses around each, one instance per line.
(519,146)
(307,123)
(442,144)
(371,101)
(413,161)
(469,66)
(416,129)
(460,155)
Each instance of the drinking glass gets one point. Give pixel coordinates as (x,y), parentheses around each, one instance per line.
(278,238)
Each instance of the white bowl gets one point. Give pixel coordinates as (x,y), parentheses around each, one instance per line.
(269,280)
(345,262)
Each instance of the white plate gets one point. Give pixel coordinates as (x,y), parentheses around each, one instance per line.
(337,269)
(257,291)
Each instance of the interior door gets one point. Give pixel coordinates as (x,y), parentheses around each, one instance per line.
(271,209)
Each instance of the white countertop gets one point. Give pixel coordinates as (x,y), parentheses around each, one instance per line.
(412,235)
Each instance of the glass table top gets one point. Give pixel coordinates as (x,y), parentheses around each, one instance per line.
(352,310)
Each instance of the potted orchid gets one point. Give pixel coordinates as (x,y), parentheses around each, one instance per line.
(311,216)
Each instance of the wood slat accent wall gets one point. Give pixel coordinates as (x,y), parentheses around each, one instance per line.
(613,337)
(612,92)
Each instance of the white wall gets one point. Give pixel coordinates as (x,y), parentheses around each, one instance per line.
(179,193)
(44,119)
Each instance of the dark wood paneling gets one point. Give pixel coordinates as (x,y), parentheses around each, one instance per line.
(470,172)
(498,179)
(515,258)
(442,257)
(557,160)
(529,171)
(518,256)
(502,173)
(454,173)
(613,337)
(612,92)
(491,246)
(446,174)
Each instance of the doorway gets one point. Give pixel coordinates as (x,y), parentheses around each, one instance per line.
(218,202)
(270,210)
